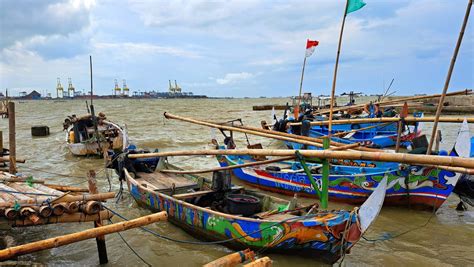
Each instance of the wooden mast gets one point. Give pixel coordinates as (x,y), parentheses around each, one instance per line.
(448,77)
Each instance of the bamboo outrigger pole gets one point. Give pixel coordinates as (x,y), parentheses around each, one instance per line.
(351,155)
(250,164)
(380,120)
(11,252)
(448,77)
(236,129)
(337,145)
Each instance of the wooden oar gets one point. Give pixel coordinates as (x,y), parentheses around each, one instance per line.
(351,155)
(256,163)
(401,100)
(380,120)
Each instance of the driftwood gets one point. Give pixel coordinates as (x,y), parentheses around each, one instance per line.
(351,155)
(79,236)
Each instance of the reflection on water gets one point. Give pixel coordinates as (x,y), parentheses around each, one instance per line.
(446,239)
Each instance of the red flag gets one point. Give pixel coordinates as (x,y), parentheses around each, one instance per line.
(310,45)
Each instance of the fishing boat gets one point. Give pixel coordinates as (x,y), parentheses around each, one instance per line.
(377,135)
(423,187)
(83,138)
(240,218)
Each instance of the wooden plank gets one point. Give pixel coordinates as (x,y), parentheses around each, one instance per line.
(201,193)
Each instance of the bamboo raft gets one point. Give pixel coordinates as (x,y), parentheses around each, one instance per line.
(25,202)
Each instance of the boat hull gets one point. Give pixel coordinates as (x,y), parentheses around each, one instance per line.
(419,187)
(318,236)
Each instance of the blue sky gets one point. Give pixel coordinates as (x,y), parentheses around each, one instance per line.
(233,48)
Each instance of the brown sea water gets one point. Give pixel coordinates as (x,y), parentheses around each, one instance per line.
(443,238)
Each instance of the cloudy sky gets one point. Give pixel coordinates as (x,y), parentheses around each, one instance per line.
(233,48)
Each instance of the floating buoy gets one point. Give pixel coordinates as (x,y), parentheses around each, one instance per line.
(40,130)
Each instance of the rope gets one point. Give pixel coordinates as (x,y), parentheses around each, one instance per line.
(343,238)
(130,247)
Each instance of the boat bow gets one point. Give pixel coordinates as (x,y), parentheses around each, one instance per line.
(369,211)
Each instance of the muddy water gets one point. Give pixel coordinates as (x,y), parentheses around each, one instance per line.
(444,238)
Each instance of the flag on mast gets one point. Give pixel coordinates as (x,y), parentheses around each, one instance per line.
(310,46)
(354,5)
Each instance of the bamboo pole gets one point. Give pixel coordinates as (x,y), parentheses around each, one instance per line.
(233,259)
(448,77)
(297,108)
(380,120)
(256,163)
(20,180)
(77,217)
(64,198)
(80,236)
(307,138)
(351,155)
(262,262)
(389,102)
(333,90)
(12,137)
(7,159)
(236,129)
(67,188)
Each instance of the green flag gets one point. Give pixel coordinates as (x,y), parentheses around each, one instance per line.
(354,5)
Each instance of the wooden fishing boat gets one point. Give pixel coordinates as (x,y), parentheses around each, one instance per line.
(249,219)
(378,135)
(83,139)
(408,185)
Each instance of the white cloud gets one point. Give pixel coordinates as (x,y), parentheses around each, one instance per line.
(130,49)
(231,78)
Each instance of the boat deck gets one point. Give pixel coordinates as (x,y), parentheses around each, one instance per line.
(161,181)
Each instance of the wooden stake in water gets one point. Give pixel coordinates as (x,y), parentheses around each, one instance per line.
(12,136)
(448,77)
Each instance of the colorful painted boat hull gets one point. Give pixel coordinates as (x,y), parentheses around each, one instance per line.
(418,187)
(317,236)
